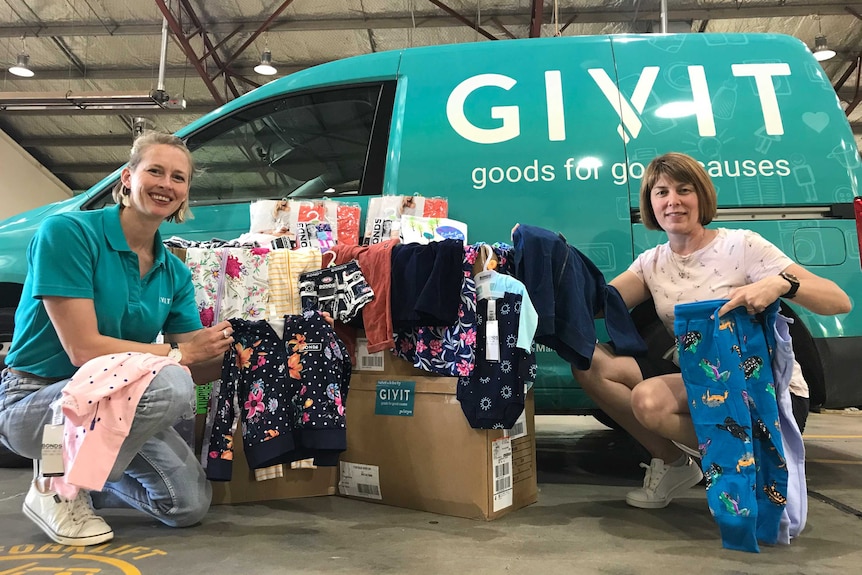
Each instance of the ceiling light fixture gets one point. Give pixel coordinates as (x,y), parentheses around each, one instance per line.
(265,67)
(822,51)
(22,67)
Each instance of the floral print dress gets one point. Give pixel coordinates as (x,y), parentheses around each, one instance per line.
(229,282)
(291,391)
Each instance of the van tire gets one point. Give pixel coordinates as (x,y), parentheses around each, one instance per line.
(607,420)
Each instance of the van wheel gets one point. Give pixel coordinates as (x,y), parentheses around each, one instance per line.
(806,354)
(607,420)
(10,459)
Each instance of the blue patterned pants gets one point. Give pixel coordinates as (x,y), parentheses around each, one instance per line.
(727,369)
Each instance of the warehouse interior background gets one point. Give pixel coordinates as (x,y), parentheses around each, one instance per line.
(99,70)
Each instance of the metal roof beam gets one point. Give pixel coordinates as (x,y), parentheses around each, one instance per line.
(208,46)
(111,140)
(536,19)
(193,110)
(463,20)
(519,16)
(265,25)
(143,73)
(188,50)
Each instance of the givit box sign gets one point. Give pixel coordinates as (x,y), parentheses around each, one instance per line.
(395,397)
(628,108)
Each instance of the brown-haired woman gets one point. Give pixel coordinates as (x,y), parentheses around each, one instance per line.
(646,395)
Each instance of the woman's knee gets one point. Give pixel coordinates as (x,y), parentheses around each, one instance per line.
(170,395)
(647,406)
(191,509)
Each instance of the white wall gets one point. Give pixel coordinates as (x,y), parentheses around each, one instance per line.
(25,183)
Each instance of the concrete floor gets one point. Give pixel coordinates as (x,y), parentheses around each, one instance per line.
(581,525)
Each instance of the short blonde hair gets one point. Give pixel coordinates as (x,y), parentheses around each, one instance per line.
(685,170)
(144,142)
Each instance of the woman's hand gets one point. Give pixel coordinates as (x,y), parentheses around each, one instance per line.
(329,319)
(755,297)
(208,343)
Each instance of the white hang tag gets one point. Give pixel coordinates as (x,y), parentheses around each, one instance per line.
(483,284)
(52,451)
(492,333)
(492,310)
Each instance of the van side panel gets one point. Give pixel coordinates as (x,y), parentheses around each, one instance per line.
(757,110)
(506,131)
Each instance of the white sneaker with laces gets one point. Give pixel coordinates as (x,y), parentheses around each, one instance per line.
(66,521)
(664,482)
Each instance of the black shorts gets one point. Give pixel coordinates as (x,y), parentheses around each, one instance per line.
(655,366)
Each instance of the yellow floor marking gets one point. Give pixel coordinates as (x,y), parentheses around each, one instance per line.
(836,461)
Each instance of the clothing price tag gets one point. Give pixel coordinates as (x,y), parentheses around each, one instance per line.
(492,341)
(501,459)
(52,451)
(483,284)
(492,310)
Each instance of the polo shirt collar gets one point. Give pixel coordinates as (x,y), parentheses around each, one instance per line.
(117,239)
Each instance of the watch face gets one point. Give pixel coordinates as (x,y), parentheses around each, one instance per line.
(791,277)
(175,354)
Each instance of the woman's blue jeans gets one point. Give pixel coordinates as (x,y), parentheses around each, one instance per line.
(156,471)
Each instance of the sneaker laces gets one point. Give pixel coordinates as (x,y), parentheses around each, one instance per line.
(80,508)
(653,475)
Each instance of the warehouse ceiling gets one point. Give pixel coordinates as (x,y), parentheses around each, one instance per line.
(99,46)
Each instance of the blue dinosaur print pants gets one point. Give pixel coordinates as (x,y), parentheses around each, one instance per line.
(726,365)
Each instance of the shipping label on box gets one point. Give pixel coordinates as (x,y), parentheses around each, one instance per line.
(359,480)
(367,361)
(395,397)
(501,461)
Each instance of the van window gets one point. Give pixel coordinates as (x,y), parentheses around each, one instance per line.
(308,145)
(322,144)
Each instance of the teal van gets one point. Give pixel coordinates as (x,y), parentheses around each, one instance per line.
(554,132)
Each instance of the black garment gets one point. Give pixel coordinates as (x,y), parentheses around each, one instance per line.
(426,284)
(492,397)
(568,291)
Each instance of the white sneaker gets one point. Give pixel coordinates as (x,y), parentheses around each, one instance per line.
(66,521)
(663,482)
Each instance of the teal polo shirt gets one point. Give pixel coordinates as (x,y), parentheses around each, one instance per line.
(85,255)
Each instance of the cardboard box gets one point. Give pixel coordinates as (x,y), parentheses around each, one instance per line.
(410,445)
(244,488)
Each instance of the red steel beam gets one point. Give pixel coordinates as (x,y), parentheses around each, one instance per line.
(258,32)
(463,20)
(536,19)
(189,51)
(208,45)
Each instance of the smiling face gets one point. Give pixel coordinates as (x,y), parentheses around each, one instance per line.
(693,204)
(159,183)
(675,206)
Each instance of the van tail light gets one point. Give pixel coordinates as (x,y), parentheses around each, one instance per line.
(857,207)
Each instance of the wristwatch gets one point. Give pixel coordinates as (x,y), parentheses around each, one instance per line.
(175,353)
(794,285)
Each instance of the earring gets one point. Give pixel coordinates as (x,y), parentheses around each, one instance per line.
(124,198)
